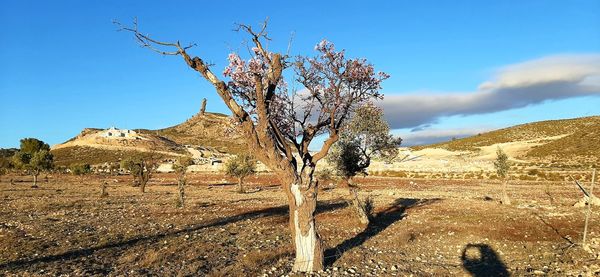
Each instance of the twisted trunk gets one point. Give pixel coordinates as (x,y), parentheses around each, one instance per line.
(360,206)
(302,197)
(142,185)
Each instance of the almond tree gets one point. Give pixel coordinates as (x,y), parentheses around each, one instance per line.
(279,125)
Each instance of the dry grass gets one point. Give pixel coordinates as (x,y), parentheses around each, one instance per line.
(581,143)
(420,227)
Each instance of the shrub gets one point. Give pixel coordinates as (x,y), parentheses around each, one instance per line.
(241,166)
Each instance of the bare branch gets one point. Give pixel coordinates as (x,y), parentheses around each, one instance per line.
(146,41)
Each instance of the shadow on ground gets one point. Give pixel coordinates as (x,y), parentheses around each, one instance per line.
(482,260)
(377,224)
(122,245)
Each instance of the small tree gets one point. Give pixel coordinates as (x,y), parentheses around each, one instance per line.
(240,167)
(141,169)
(33,156)
(366,136)
(80,169)
(502,167)
(180,168)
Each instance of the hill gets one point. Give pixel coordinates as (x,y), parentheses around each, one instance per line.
(211,130)
(561,141)
(211,133)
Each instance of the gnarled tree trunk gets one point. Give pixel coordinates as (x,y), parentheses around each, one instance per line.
(302,198)
(361,207)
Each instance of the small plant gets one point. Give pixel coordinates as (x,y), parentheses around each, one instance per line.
(240,167)
(325,174)
(502,167)
(80,169)
(181,168)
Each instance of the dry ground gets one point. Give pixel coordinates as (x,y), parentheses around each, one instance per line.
(421,227)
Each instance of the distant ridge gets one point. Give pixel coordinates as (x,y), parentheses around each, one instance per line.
(576,139)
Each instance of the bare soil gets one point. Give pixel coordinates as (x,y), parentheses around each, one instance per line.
(420,227)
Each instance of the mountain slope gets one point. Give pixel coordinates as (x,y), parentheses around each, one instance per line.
(211,132)
(576,139)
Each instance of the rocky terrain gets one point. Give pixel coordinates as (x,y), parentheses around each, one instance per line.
(420,227)
(565,141)
(211,134)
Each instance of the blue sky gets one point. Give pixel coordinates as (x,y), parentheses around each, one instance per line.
(64,67)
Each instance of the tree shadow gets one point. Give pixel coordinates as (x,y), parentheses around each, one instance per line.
(556,231)
(379,222)
(481,260)
(283,210)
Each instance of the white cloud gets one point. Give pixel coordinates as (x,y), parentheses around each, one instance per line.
(514,86)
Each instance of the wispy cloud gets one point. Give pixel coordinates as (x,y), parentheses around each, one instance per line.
(514,86)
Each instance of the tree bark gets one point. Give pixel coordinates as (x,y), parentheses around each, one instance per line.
(143,186)
(240,186)
(302,197)
(181,190)
(35,177)
(360,207)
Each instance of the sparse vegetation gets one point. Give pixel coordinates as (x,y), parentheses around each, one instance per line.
(34,157)
(240,167)
(180,169)
(578,144)
(93,156)
(141,169)
(502,167)
(80,169)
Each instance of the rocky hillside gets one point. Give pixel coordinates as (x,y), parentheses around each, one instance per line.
(211,132)
(567,140)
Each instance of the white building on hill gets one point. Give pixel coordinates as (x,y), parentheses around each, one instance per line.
(113,132)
